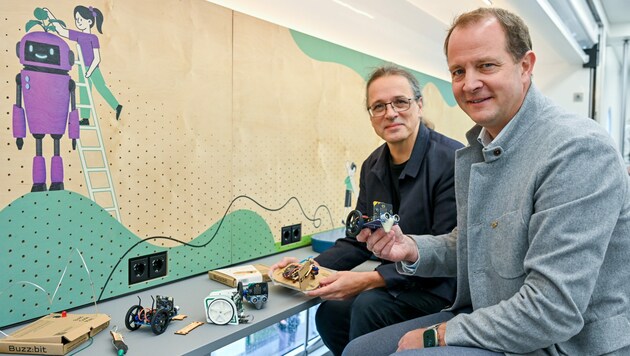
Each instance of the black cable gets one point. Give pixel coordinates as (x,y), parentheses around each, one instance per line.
(317,222)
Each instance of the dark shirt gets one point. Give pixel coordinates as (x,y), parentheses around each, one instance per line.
(427,206)
(395,170)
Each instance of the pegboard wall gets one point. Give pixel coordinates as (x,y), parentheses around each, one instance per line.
(230,129)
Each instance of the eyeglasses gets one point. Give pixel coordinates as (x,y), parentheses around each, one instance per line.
(399,105)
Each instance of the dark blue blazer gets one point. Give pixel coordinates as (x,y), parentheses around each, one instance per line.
(427,206)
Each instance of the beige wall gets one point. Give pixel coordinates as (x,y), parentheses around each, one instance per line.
(216,104)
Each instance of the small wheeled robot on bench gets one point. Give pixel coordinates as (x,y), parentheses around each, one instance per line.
(257,294)
(158,316)
(226,306)
(382,216)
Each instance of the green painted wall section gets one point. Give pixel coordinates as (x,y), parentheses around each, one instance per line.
(42,233)
(361,63)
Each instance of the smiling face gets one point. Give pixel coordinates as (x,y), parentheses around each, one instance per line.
(82,23)
(488,84)
(41,53)
(45,50)
(396,128)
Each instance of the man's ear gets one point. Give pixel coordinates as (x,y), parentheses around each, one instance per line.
(420,102)
(527,64)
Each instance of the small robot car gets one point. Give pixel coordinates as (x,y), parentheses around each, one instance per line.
(382,217)
(257,294)
(158,316)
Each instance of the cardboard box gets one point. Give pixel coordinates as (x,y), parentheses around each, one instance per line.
(246,274)
(54,334)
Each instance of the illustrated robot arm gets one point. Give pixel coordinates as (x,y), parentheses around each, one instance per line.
(19,119)
(73,118)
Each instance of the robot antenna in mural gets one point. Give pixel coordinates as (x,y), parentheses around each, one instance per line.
(46,98)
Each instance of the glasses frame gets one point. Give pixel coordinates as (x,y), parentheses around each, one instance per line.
(391,103)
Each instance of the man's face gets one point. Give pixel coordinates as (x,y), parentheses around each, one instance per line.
(486,82)
(394,127)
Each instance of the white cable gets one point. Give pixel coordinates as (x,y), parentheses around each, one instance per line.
(50,299)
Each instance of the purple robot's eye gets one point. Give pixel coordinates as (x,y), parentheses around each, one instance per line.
(30,48)
(51,51)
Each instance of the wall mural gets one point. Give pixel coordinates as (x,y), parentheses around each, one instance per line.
(187,138)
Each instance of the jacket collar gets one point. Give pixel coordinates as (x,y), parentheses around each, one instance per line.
(525,117)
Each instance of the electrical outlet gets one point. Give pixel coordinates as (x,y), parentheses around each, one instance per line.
(285,236)
(138,269)
(296,233)
(158,264)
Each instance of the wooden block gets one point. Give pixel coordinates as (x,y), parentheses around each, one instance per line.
(244,273)
(188,328)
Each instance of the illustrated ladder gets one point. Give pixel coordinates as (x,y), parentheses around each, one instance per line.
(92,168)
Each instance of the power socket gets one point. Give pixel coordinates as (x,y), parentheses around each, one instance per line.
(296,233)
(158,264)
(138,269)
(290,234)
(285,235)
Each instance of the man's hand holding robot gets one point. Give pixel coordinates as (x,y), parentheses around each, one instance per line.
(393,245)
(338,286)
(346,284)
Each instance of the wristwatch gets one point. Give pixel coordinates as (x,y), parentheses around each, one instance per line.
(430,336)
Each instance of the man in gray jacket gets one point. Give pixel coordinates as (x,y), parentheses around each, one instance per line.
(543,215)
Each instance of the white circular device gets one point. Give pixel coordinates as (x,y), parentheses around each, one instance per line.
(220,311)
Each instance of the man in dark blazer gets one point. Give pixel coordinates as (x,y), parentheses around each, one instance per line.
(413,171)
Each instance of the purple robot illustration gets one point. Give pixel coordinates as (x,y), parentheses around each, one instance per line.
(48,95)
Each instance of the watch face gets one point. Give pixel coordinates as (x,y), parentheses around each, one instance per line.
(430,338)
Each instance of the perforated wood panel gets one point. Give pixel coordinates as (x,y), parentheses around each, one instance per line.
(229,131)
